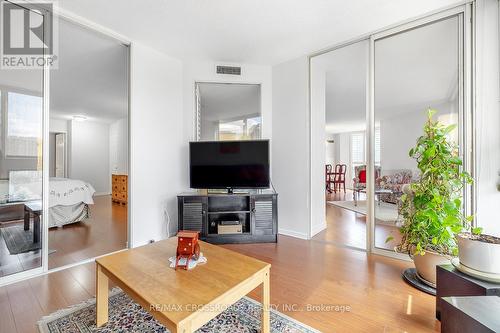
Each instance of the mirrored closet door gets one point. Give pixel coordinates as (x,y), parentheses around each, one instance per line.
(21,162)
(88,146)
(415,70)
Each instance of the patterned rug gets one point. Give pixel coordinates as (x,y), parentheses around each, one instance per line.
(385,213)
(19,240)
(127,316)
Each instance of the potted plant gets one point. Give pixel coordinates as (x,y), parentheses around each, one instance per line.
(431,207)
(480,252)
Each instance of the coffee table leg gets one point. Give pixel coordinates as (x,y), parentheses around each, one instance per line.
(266,303)
(101,297)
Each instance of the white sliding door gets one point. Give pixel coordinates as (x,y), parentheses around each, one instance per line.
(23,171)
(415,67)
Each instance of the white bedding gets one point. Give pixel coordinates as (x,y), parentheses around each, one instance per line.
(27,186)
(68,192)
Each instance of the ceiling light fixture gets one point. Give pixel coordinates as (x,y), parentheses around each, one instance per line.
(79,118)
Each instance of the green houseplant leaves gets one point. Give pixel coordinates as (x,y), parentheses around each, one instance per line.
(432,208)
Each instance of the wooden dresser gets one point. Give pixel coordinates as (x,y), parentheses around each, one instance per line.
(119,185)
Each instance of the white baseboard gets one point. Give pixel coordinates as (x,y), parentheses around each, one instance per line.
(292,233)
(316,229)
(100,194)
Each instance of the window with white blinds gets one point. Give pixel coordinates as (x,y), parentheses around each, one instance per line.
(357,148)
(377,145)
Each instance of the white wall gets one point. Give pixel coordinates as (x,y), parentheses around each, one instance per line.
(488,116)
(399,133)
(89,154)
(58,125)
(205,72)
(317,142)
(158,165)
(118,147)
(290,146)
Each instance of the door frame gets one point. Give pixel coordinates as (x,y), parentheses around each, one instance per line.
(59,13)
(466,77)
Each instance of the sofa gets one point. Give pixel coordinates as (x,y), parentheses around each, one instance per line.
(394,181)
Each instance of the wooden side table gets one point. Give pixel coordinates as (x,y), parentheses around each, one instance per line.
(452,282)
(35,208)
(478,314)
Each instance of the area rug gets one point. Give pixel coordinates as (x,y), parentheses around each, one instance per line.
(127,316)
(19,240)
(385,213)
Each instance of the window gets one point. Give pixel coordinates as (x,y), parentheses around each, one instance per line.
(24,125)
(240,129)
(358,148)
(377,146)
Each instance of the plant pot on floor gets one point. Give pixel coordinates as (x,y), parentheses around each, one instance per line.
(479,252)
(426,266)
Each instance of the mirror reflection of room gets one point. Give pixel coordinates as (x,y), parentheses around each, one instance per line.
(339,79)
(228,111)
(406,85)
(88,146)
(21,92)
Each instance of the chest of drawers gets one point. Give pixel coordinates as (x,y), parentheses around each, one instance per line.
(119,185)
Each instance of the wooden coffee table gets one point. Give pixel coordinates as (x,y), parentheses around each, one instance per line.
(181,300)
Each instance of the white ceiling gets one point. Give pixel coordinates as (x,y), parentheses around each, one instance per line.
(413,71)
(221,101)
(91,78)
(258,31)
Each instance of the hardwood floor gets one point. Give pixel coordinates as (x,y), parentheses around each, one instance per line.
(303,272)
(104,232)
(347,228)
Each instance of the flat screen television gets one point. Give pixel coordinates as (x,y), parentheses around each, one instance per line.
(229,164)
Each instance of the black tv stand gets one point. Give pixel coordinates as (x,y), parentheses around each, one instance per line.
(255,210)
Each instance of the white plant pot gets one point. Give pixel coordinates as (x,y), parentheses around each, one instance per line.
(426,265)
(478,255)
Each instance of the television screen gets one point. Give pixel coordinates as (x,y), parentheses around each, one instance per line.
(229,164)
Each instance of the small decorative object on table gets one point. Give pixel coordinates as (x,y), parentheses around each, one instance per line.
(187,248)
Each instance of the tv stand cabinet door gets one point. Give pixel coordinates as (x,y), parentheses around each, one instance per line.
(193,214)
(264,215)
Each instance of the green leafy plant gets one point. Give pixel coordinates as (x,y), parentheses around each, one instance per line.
(432,208)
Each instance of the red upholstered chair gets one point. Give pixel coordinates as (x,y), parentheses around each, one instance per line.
(359,181)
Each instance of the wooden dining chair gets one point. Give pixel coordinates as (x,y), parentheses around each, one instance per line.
(328,177)
(339,177)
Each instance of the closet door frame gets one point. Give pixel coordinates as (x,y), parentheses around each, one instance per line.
(465,114)
(59,13)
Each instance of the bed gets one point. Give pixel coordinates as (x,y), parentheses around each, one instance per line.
(69,199)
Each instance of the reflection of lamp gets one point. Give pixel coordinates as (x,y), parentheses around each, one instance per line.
(79,118)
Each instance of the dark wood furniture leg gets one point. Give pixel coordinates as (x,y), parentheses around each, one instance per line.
(26,219)
(36,228)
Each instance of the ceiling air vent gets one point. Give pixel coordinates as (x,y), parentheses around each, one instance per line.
(229,70)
